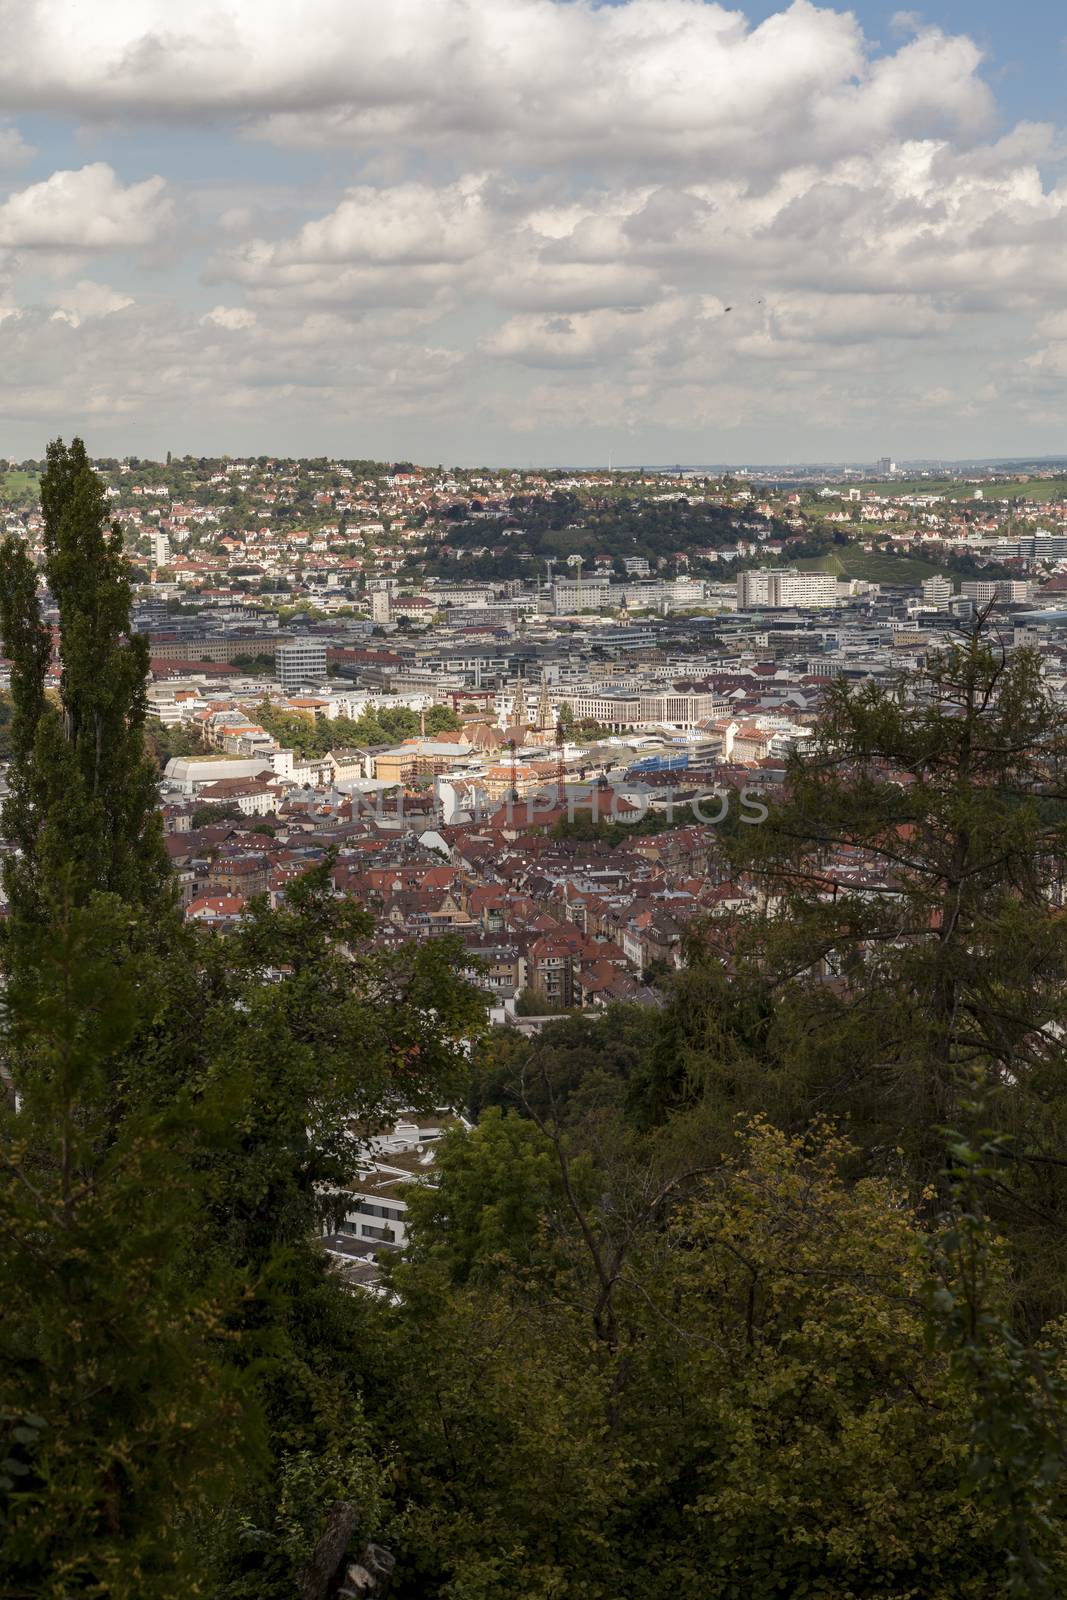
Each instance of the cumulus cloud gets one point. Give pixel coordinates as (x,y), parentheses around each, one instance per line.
(395,246)
(650,215)
(235,319)
(88,209)
(408,224)
(667,78)
(88,299)
(167,365)
(913,222)
(590,337)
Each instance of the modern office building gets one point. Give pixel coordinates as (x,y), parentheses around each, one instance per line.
(301,662)
(786,586)
(937,591)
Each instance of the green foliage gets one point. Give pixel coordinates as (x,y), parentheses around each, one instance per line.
(81,807)
(225,811)
(389,725)
(876,566)
(127,1363)
(179,1373)
(579,1064)
(19,487)
(6,712)
(257,664)
(534,1002)
(198,1121)
(756,1420)
(1018,1447)
(164,741)
(588,829)
(565,523)
(909,933)
(492,1185)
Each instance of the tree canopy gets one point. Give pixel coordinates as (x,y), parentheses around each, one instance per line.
(760,1293)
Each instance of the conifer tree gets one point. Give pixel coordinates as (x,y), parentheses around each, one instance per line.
(126,1412)
(82,807)
(180,1119)
(911,882)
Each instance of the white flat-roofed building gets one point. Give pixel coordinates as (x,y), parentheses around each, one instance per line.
(591,594)
(190,774)
(374,1211)
(786,586)
(937,591)
(681,708)
(301,661)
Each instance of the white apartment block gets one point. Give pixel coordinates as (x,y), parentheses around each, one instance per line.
(376,1213)
(568,595)
(937,591)
(684,592)
(786,586)
(680,709)
(1009,591)
(980,590)
(301,661)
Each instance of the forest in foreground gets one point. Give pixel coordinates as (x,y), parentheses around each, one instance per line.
(760,1295)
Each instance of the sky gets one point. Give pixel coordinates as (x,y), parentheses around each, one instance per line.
(534,232)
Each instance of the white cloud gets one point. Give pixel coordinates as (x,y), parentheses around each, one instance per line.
(408,224)
(649,78)
(550,206)
(396,246)
(235,319)
(88,209)
(172,371)
(591,337)
(88,299)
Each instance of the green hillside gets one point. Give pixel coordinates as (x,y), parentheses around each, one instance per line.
(18,485)
(957,489)
(874,566)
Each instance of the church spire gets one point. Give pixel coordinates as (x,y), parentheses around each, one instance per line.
(545,720)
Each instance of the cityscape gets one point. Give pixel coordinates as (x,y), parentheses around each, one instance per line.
(533,801)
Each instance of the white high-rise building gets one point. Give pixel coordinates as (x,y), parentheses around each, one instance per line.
(1014,591)
(753,588)
(937,591)
(160,549)
(301,662)
(570,595)
(684,592)
(980,590)
(381,605)
(786,586)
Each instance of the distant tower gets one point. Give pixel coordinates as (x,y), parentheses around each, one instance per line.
(545,720)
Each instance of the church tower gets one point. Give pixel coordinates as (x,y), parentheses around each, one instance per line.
(546,722)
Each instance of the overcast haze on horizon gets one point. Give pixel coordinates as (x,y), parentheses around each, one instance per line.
(528,231)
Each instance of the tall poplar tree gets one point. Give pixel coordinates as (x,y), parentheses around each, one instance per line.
(179,1407)
(82,808)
